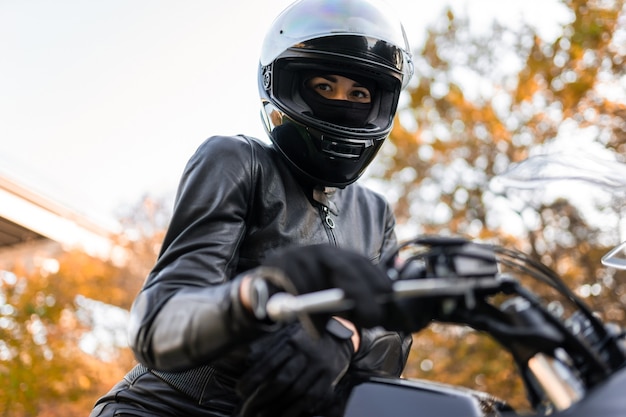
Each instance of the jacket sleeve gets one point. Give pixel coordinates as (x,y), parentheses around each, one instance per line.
(183,315)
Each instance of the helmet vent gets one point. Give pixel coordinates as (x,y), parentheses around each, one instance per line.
(341,150)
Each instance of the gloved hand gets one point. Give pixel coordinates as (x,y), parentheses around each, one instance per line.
(445,257)
(293,373)
(319,267)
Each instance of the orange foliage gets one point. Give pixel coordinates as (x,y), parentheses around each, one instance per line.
(42,366)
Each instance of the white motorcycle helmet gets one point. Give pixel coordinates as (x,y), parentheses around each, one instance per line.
(358,39)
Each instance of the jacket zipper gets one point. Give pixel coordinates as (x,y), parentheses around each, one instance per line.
(329,224)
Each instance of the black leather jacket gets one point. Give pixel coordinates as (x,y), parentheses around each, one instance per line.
(237,202)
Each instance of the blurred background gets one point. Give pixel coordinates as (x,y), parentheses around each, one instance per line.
(101,105)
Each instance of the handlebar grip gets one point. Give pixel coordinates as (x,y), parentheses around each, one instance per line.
(282,307)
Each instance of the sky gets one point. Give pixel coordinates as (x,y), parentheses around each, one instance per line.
(103,102)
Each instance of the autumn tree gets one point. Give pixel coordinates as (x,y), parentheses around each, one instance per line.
(43,321)
(51,361)
(484,101)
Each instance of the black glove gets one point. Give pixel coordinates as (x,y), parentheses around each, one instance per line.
(319,267)
(292,373)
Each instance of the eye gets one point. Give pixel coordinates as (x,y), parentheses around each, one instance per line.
(322,86)
(360,94)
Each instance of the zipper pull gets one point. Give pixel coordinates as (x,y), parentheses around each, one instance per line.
(327,219)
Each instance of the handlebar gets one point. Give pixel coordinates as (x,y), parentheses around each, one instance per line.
(283,307)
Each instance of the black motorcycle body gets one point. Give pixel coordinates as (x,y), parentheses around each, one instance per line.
(376,397)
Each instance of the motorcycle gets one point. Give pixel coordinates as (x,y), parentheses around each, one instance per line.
(571,362)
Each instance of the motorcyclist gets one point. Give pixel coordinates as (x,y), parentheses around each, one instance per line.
(289,212)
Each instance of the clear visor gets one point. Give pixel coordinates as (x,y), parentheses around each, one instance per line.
(310,19)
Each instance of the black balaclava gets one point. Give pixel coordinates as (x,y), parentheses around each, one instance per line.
(340,112)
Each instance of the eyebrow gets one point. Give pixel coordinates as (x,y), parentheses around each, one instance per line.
(333,78)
